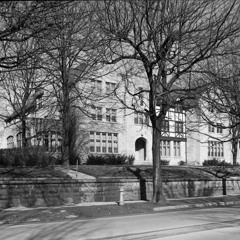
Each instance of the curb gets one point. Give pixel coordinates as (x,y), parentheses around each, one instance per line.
(197,205)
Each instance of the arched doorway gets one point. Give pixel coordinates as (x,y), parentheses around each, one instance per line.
(140,149)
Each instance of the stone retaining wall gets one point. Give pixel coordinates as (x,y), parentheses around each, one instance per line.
(42,192)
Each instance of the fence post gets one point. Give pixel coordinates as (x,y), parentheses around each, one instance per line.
(121,197)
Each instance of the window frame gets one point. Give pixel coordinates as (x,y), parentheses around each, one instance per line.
(104,142)
(165,148)
(10,144)
(215,149)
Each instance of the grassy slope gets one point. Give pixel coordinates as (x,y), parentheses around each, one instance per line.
(169,172)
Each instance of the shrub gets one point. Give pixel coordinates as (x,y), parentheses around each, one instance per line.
(112,159)
(215,162)
(29,156)
(164,162)
(181,163)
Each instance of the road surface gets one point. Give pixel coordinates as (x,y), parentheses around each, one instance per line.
(194,224)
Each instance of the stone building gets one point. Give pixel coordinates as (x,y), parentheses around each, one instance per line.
(209,140)
(111,126)
(117,124)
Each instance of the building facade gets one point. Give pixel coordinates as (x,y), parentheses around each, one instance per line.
(112,127)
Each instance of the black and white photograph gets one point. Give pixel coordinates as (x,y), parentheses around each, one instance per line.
(120,119)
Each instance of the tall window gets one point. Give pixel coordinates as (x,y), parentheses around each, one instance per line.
(210,128)
(10,143)
(19,139)
(111,115)
(103,142)
(219,128)
(165,150)
(165,126)
(215,149)
(51,141)
(179,127)
(110,87)
(96,113)
(177,148)
(97,86)
(46,141)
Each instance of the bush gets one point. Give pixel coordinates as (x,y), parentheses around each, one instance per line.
(112,159)
(215,162)
(164,162)
(29,156)
(181,163)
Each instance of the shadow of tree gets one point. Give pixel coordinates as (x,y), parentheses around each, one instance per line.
(137,172)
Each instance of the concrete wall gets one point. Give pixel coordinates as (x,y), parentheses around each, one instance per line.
(41,192)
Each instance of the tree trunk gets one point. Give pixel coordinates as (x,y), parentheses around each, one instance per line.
(65,111)
(235,137)
(66,140)
(24,133)
(157,171)
(234,151)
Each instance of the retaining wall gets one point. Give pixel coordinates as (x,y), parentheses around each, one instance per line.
(42,192)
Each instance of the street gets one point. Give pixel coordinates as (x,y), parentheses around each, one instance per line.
(194,224)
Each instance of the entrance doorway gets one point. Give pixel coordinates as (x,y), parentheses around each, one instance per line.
(140,149)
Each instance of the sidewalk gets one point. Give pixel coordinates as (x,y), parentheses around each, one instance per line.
(199,202)
(106,209)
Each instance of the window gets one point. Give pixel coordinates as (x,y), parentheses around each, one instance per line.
(179,108)
(46,141)
(140,118)
(51,141)
(179,127)
(219,128)
(10,143)
(19,139)
(177,148)
(110,87)
(215,149)
(165,126)
(96,86)
(165,148)
(39,103)
(96,113)
(140,96)
(102,142)
(92,145)
(210,128)
(111,115)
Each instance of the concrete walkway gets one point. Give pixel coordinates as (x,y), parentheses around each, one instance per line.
(74,174)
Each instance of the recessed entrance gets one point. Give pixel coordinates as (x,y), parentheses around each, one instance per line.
(140,149)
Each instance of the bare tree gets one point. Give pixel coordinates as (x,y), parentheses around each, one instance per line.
(70,61)
(165,40)
(20,21)
(21,88)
